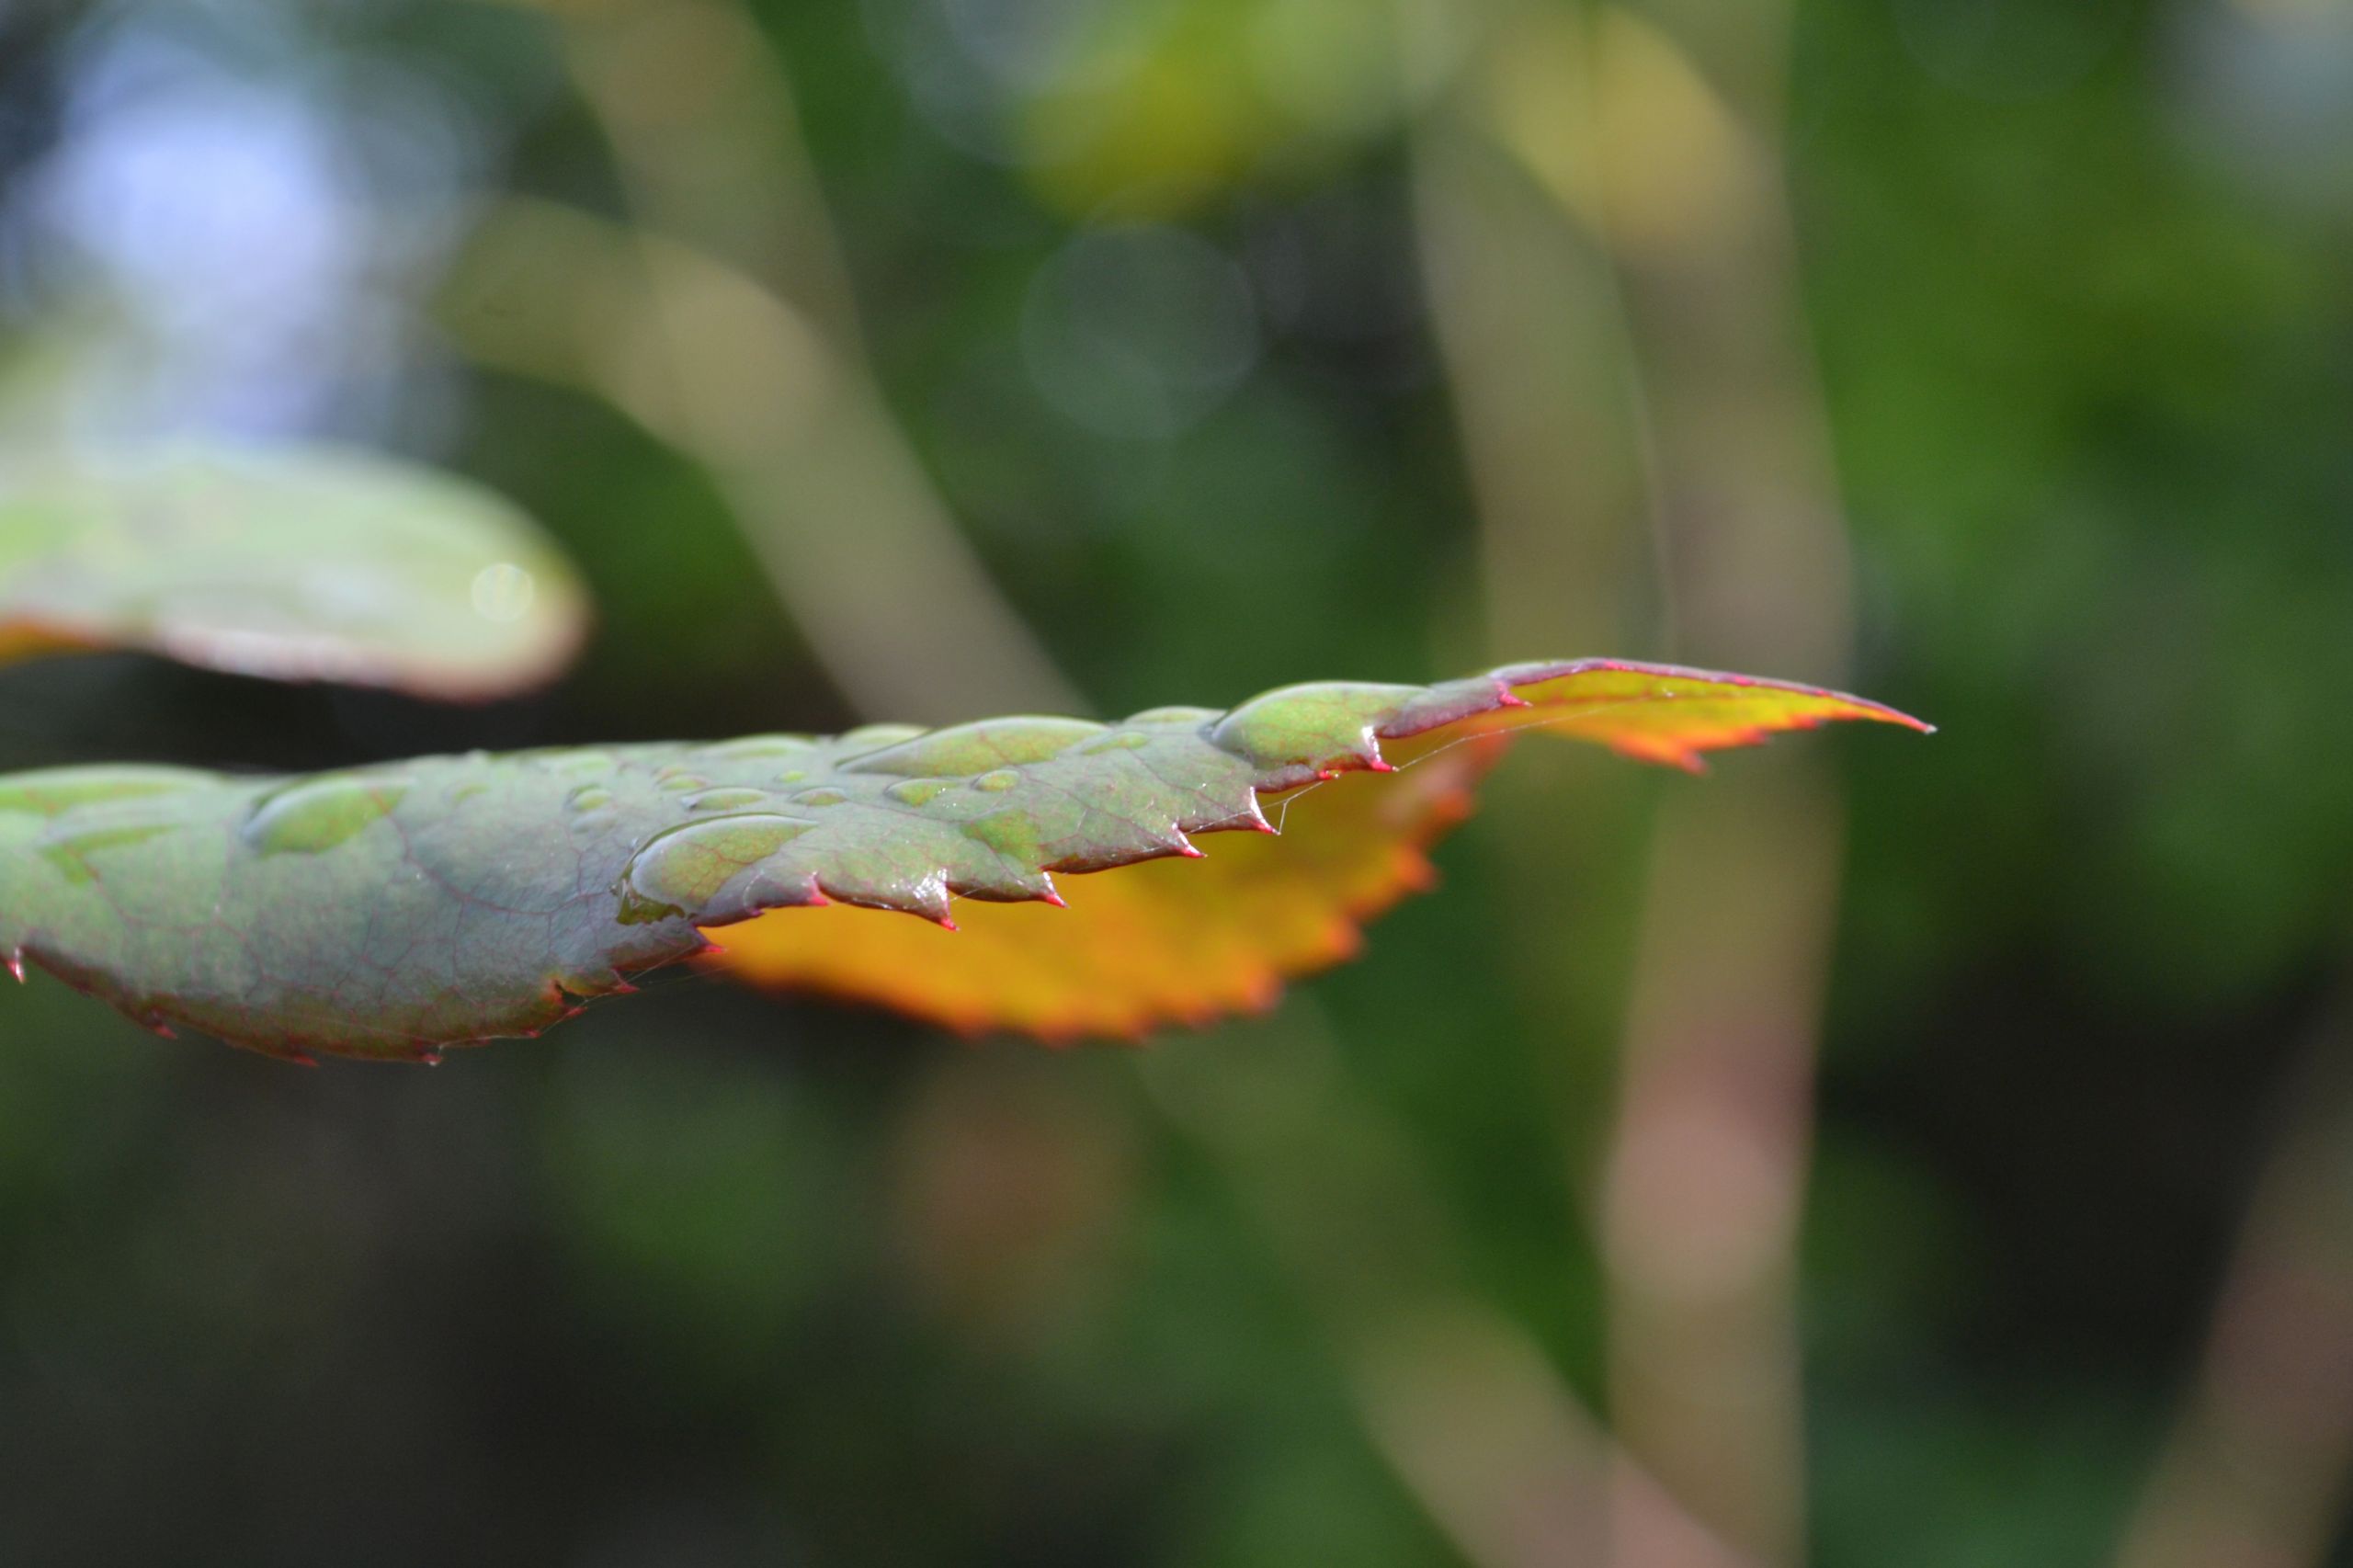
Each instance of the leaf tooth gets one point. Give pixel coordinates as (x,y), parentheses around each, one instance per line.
(1308,730)
(1145,844)
(1024,837)
(930,898)
(592,982)
(787,887)
(687,868)
(1224,802)
(926,895)
(1450,702)
(1007,879)
(1250,817)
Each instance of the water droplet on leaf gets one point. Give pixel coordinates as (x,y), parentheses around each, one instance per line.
(753,747)
(682,869)
(728,798)
(71,855)
(918,791)
(316,815)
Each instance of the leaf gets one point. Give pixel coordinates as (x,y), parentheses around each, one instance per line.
(1173,941)
(298,565)
(393,911)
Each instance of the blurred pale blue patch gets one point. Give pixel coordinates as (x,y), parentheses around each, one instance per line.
(2268,85)
(244,227)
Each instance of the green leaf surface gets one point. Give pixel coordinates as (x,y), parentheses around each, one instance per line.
(293,563)
(397,910)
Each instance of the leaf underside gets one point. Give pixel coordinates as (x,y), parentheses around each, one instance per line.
(395,911)
(294,563)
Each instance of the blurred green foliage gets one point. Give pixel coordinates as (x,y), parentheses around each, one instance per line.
(709,1279)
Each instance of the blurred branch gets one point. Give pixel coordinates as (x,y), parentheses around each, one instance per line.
(1532,335)
(2258,1470)
(1706,1181)
(1465,1407)
(866,557)
(1705,1178)
(1671,180)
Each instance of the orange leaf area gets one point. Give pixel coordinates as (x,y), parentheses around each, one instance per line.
(1177,941)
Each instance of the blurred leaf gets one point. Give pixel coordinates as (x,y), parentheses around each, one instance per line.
(296,565)
(447,900)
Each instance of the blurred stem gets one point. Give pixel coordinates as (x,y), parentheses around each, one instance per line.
(897,606)
(1706,1173)
(1465,1406)
(1531,332)
(1671,177)
(1532,335)
(2258,1469)
(1706,1179)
